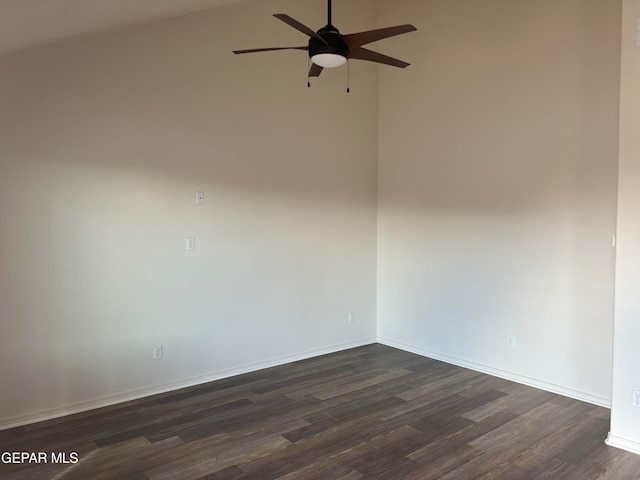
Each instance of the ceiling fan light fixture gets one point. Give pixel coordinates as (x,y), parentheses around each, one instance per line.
(328,60)
(327,48)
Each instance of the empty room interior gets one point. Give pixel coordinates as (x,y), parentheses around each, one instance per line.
(320,284)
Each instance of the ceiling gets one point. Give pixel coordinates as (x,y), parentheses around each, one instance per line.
(29,23)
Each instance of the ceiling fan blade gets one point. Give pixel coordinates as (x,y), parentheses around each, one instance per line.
(254,50)
(292,22)
(355,40)
(371,56)
(315,70)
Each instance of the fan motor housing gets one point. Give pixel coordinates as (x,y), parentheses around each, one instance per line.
(334,45)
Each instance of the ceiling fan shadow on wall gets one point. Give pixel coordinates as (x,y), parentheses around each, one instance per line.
(328,48)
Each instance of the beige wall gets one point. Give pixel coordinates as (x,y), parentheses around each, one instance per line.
(104,141)
(497,188)
(625,419)
(497,194)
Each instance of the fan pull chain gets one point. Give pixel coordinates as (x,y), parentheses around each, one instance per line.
(348,75)
(309,73)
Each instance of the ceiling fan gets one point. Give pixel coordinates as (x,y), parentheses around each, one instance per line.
(328,48)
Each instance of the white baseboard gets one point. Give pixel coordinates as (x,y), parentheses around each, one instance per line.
(496,372)
(137,394)
(623,443)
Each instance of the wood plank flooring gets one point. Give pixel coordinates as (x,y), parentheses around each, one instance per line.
(372,412)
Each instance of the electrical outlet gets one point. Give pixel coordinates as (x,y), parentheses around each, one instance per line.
(352,317)
(157,352)
(511,341)
(191,244)
(635,401)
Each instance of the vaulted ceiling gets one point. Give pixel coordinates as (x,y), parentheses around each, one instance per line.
(28,23)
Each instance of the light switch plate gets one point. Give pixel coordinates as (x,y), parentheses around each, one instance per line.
(157,352)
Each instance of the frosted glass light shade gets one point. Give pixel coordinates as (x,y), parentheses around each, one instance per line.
(328,60)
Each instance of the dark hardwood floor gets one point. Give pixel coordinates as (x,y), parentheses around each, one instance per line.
(368,413)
